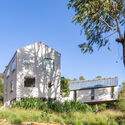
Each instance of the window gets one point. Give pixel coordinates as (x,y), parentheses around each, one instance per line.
(92,94)
(49,85)
(29,82)
(48,64)
(11,86)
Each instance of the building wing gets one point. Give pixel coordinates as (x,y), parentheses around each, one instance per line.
(97,83)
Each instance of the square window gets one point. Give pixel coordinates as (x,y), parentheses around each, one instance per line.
(29,82)
(49,85)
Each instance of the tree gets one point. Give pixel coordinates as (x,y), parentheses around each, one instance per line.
(100,19)
(121,102)
(75,79)
(64,86)
(81,78)
(1,89)
(98,77)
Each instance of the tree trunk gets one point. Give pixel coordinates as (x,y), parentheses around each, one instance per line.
(122,41)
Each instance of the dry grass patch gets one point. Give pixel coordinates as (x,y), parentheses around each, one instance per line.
(39,117)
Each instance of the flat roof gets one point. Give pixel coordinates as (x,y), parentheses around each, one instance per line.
(97,83)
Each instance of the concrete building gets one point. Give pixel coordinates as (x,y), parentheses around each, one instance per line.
(94,91)
(34,71)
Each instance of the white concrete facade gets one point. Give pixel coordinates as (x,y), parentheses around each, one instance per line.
(99,95)
(90,91)
(36,61)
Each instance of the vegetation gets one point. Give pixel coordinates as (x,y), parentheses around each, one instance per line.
(121,102)
(108,117)
(1,91)
(74,113)
(70,112)
(56,106)
(81,78)
(98,77)
(1,87)
(64,86)
(100,19)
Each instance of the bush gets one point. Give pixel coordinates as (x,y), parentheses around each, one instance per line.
(30,103)
(64,87)
(73,106)
(99,107)
(67,106)
(56,106)
(14,119)
(121,101)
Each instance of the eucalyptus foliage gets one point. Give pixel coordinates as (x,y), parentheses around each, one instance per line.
(99,19)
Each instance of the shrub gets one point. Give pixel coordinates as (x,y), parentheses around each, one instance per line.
(56,106)
(64,87)
(76,106)
(99,107)
(14,119)
(30,103)
(68,106)
(121,101)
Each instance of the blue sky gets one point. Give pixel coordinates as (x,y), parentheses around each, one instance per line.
(26,21)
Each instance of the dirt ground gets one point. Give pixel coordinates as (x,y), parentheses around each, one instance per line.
(34,123)
(4,122)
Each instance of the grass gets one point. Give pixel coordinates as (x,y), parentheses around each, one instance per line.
(107,117)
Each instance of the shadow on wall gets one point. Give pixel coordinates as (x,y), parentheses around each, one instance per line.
(33,63)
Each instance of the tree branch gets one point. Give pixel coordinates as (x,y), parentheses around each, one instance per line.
(111,27)
(118,29)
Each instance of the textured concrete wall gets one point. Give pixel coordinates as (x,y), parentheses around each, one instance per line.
(100,94)
(84,95)
(31,63)
(10,76)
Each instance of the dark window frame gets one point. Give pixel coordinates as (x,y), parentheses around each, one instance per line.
(50,85)
(29,81)
(11,86)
